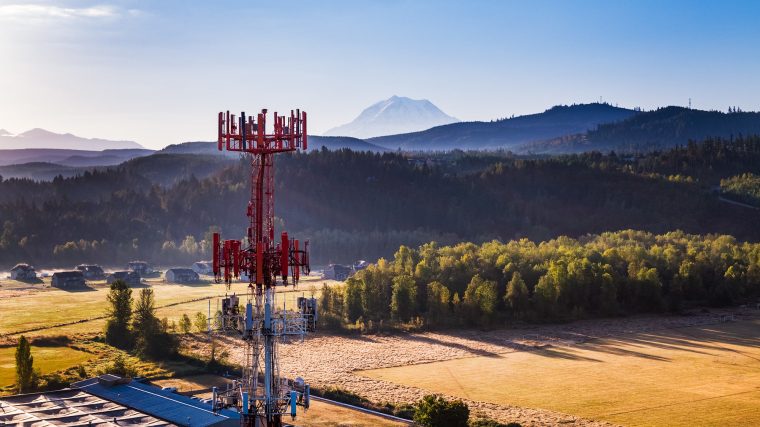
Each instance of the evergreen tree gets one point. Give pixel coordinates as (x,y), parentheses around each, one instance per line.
(25,376)
(119,314)
(200,322)
(184,324)
(151,337)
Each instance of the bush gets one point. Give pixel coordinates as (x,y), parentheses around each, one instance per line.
(435,411)
(53,381)
(185,324)
(345,396)
(121,368)
(201,322)
(404,410)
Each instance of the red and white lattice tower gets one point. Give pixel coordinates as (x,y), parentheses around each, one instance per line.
(266,263)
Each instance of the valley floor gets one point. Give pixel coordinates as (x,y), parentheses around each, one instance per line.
(644,370)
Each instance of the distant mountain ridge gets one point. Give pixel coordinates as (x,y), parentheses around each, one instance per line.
(508,133)
(41,138)
(71,158)
(394,115)
(653,130)
(315,143)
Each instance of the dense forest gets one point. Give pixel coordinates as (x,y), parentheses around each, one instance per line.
(596,275)
(361,205)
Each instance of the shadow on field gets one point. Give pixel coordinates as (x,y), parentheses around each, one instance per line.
(139,286)
(614,347)
(198,284)
(430,340)
(706,340)
(77,289)
(567,353)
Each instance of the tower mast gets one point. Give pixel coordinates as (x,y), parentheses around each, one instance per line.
(260,395)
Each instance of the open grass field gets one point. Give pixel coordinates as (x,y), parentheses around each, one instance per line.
(26,307)
(702,375)
(46,359)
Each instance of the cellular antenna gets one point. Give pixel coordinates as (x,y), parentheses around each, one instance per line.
(266,263)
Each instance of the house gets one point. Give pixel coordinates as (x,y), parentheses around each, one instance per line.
(140,267)
(360,265)
(181,275)
(91,272)
(129,277)
(337,272)
(68,279)
(23,272)
(203,267)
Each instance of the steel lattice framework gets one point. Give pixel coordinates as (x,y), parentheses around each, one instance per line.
(261,395)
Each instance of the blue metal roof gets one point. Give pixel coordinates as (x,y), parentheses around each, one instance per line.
(163,404)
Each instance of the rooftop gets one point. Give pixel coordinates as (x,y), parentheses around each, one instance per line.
(70,407)
(151,400)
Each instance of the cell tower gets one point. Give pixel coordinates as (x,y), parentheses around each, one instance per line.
(261,396)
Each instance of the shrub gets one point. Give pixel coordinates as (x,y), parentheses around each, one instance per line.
(435,411)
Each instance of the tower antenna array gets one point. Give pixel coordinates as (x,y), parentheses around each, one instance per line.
(260,395)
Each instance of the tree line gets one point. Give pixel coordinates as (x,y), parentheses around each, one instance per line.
(486,285)
(744,188)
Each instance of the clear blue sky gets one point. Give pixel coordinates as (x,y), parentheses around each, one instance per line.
(158,71)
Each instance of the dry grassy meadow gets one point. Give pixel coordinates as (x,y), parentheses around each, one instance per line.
(637,371)
(706,375)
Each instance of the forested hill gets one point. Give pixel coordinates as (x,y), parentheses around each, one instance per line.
(364,205)
(508,133)
(654,130)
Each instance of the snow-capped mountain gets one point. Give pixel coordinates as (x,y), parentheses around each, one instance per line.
(41,138)
(395,115)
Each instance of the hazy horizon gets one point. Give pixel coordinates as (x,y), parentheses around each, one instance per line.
(157,72)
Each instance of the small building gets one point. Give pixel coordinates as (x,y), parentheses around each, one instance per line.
(337,272)
(360,265)
(203,267)
(140,267)
(23,272)
(181,275)
(129,277)
(68,279)
(91,272)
